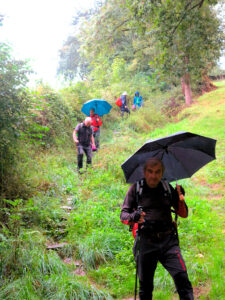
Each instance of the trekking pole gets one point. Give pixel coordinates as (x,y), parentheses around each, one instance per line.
(136,275)
(135,291)
(138,251)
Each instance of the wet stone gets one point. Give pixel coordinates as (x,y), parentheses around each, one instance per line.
(56,245)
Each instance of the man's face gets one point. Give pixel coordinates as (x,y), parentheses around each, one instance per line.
(92,112)
(153,175)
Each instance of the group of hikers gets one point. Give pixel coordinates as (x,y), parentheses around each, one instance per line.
(147,209)
(86,135)
(122,102)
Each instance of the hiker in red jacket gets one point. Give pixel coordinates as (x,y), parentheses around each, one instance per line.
(96,122)
(156,240)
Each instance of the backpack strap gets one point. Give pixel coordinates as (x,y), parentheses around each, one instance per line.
(81,125)
(139,190)
(79,128)
(167,189)
(166,186)
(138,193)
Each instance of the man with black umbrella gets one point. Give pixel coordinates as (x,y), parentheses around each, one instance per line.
(150,206)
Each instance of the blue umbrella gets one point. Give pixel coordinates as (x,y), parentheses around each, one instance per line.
(182,154)
(101,107)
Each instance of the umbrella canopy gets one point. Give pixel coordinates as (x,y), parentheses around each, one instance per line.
(101,107)
(182,154)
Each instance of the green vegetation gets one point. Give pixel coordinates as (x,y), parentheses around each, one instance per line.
(94,235)
(14,102)
(124,45)
(60,232)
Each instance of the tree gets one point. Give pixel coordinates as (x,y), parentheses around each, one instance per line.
(113,34)
(70,60)
(188,36)
(103,36)
(71,63)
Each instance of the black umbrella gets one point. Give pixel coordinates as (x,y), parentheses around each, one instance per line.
(182,153)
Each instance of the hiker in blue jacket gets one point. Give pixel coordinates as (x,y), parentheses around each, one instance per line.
(124,108)
(138,101)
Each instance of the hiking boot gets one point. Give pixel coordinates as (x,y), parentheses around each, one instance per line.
(80,172)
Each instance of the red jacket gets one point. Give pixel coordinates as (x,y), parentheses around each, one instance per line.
(96,122)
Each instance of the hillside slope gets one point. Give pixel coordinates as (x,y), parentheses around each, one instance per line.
(103,190)
(68,241)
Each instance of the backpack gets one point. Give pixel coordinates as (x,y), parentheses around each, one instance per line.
(139,190)
(84,135)
(119,102)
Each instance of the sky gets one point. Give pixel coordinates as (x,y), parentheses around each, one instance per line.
(36,30)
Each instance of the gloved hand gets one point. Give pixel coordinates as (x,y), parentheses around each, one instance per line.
(135,216)
(138,216)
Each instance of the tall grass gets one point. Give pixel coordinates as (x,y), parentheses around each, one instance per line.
(43,275)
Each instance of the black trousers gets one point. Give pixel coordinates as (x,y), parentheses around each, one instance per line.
(166,251)
(123,110)
(80,152)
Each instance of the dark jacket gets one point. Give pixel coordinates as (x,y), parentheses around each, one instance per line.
(84,134)
(155,202)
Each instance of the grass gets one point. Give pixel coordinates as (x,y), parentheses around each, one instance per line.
(96,237)
(200,235)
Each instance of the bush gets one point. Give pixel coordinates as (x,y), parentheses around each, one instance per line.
(50,118)
(174,104)
(14,103)
(146,119)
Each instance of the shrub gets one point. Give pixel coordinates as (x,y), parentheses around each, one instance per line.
(14,102)
(145,119)
(50,118)
(174,104)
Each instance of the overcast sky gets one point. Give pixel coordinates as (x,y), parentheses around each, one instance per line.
(36,30)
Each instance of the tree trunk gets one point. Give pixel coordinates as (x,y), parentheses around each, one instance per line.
(186,83)
(186,88)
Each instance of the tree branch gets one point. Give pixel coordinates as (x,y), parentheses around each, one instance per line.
(119,25)
(186,10)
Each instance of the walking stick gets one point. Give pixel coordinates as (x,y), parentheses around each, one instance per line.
(137,257)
